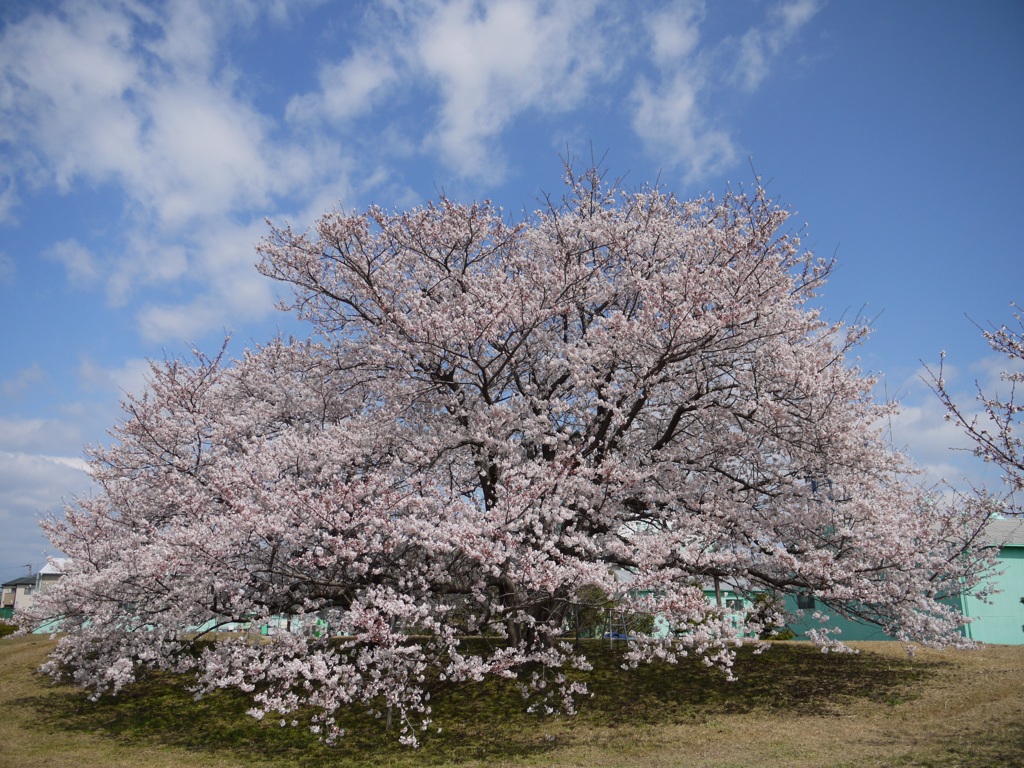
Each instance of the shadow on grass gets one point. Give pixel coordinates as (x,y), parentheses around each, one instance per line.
(796,678)
(488,721)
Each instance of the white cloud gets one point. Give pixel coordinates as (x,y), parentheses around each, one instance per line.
(32,485)
(8,197)
(223,258)
(63,87)
(495,61)
(667,111)
(674,30)
(668,118)
(38,435)
(282,11)
(347,90)
(760,45)
(81,265)
(131,377)
(487,64)
(180,322)
(23,381)
(988,373)
(148,259)
(102,97)
(936,445)
(188,34)
(671,113)
(939,446)
(205,156)
(140,96)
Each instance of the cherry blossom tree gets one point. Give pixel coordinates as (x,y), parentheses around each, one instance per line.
(995,431)
(625,394)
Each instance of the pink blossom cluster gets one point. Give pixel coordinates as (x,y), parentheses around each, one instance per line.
(625,391)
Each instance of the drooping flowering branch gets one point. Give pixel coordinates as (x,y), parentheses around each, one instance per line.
(996,431)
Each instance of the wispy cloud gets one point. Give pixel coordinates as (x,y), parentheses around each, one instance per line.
(671,114)
(496,61)
(760,45)
(347,89)
(37,435)
(938,445)
(23,381)
(668,113)
(80,264)
(138,96)
(674,31)
(227,287)
(145,99)
(670,120)
(476,68)
(32,485)
(131,377)
(939,448)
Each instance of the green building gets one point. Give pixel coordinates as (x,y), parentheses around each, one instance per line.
(998,620)
(1001,619)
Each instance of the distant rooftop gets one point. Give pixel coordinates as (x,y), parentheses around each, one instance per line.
(21,580)
(55,565)
(1006,532)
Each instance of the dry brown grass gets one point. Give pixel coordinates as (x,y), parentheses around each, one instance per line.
(791,708)
(26,738)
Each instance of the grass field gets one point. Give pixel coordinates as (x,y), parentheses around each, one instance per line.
(792,706)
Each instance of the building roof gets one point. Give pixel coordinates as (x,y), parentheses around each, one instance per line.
(1007,532)
(21,581)
(54,567)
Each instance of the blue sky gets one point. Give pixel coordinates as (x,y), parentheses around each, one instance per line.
(142,146)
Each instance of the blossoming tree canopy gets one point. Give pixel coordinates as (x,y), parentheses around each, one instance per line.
(624,394)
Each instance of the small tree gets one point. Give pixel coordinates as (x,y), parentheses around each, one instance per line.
(490,421)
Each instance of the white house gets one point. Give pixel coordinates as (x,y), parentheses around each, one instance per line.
(21,592)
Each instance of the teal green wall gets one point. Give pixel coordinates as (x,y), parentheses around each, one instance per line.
(1001,620)
(850,630)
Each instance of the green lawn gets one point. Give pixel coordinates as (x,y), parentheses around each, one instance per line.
(792,706)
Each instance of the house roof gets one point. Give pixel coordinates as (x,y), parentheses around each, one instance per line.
(1005,533)
(53,568)
(22,580)
(55,565)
